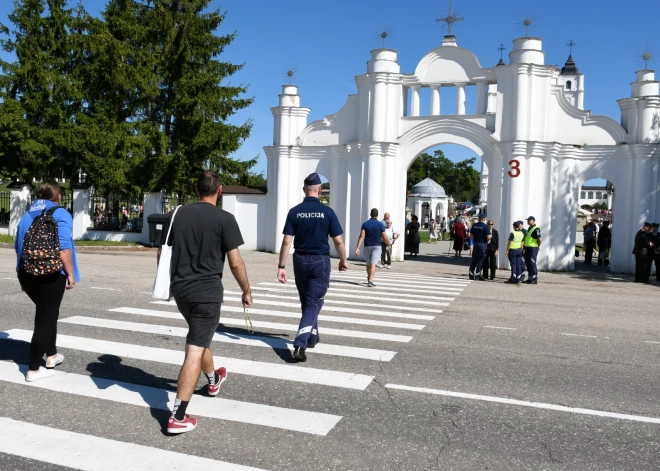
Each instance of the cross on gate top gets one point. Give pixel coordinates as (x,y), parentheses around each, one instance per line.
(451,18)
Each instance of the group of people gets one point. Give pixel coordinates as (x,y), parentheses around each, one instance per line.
(647,252)
(601,236)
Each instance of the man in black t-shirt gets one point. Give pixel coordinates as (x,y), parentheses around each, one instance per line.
(202,236)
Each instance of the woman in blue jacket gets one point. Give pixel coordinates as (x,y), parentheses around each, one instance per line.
(47,291)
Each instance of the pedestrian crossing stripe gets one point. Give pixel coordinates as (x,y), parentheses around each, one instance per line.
(401,281)
(90,453)
(355,311)
(362,283)
(367,312)
(236,339)
(270,325)
(315,423)
(403,277)
(296,315)
(334,292)
(277,371)
(375,290)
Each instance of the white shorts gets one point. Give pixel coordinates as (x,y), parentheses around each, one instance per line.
(372,254)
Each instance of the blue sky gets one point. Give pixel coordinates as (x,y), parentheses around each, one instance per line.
(329,43)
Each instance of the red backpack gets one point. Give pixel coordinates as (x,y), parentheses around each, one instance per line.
(41,246)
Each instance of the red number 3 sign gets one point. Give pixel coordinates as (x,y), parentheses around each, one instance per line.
(515,168)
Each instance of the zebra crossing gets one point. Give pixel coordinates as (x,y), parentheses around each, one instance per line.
(366,326)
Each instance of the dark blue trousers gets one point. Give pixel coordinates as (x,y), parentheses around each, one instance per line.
(516,259)
(312,274)
(530,260)
(478,257)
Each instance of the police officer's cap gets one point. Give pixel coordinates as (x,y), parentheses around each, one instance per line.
(531,218)
(313,179)
(518,223)
(655,224)
(647,224)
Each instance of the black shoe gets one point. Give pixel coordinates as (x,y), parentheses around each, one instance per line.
(299,354)
(312,345)
(471,277)
(481,278)
(492,278)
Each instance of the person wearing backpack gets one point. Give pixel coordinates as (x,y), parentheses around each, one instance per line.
(46,266)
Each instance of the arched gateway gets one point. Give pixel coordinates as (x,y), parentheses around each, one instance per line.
(527,125)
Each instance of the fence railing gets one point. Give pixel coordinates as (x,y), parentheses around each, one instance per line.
(5,206)
(117,213)
(172,201)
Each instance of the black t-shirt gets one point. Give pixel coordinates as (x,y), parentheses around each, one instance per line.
(201,236)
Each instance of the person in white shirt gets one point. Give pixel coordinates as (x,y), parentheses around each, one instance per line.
(386,252)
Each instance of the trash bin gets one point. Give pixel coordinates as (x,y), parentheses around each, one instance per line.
(157,222)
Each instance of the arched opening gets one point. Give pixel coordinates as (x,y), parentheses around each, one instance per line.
(325,190)
(593,223)
(568,85)
(443,182)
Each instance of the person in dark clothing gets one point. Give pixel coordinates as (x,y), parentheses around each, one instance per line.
(202,237)
(654,251)
(490,263)
(641,253)
(413,237)
(604,244)
(589,243)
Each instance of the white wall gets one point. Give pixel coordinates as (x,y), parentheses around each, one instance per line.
(250,212)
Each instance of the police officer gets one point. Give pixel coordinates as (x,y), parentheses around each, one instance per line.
(480,235)
(514,252)
(308,226)
(531,244)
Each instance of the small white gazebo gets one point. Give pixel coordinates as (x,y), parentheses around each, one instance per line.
(428,198)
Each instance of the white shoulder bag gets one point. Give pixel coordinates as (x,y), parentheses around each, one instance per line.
(162,283)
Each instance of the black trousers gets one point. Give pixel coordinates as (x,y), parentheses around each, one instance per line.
(589,251)
(385,255)
(642,270)
(46,292)
(490,264)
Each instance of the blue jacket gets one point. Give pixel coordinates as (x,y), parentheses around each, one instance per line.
(64,228)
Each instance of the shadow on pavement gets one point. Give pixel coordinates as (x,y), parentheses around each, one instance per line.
(279,346)
(109,370)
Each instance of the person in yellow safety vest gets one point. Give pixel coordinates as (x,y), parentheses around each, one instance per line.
(514,252)
(531,245)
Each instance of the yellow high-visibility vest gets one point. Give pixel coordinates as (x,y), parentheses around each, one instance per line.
(529,240)
(516,243)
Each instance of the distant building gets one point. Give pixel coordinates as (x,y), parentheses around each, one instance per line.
(596,197)
(428,198)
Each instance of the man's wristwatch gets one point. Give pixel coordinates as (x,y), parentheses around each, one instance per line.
(281,267)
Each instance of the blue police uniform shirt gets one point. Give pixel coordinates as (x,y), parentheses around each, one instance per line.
(373,229)
(310,223)
(480,231)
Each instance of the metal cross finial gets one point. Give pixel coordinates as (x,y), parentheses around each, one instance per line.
(646,56)
(451,18)
(385,34)
(502,48)
(571,44)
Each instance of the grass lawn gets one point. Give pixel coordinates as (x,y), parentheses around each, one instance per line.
(6,239)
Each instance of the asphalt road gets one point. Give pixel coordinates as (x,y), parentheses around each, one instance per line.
(562,375)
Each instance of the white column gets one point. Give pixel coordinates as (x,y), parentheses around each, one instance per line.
(482,97)
(414,109)
(82,206)
(460,99)
(609,201)
(491,107)
(19,199)
(435,100)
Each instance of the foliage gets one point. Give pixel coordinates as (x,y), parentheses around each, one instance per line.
(135,100)
(459,179)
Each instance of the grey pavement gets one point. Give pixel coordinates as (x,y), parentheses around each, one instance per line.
(524,377)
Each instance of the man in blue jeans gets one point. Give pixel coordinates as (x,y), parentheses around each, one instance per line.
(308,225)
(372,232)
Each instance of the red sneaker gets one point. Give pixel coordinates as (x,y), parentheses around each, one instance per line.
(181,426)
(214,389)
